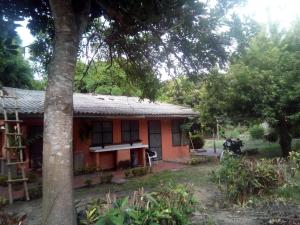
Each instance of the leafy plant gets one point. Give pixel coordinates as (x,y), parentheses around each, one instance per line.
(3,180)
(138,171)
(36,192)
(198,141)
(88,182)
(257,132)
(294,158)
(3,202)
(170,205)
(196,161)
(240,178)
(106,178)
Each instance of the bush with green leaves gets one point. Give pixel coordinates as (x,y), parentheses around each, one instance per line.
(170,205)
(241,178)
(257,132)
(137,171)
(106,178)
(271,136)
(198,141)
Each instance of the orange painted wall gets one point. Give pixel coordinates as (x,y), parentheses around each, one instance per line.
(110,160)
(170,152)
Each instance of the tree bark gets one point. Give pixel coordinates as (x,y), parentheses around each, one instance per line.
(58,116)
(285,138)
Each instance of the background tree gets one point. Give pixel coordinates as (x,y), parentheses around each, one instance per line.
(14,69)
(103,80)
(140,35)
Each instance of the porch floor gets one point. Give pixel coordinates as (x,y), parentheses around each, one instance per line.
(80,180)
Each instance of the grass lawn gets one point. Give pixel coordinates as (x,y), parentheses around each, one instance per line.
(265,148)
(196,175)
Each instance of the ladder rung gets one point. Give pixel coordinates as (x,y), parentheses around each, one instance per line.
(15,163)
(13,121)
(11,107)
(17,134)
(17,180)
(14,147)
(7,96)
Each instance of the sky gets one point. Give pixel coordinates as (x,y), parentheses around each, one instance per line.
(284,12)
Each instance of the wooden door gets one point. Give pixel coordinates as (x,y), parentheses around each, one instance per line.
(154,136)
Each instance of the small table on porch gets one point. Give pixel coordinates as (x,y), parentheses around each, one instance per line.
(123,151)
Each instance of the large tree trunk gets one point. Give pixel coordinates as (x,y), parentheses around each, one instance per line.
(285,139)
(58,117)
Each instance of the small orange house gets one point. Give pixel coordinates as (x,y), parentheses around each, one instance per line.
(109,132)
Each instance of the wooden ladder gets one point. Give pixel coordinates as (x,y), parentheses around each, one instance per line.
(13,144)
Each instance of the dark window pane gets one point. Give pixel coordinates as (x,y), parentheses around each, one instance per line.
(176,138)
(135,136)
(96,139)
(107,138)
(107,126)
(97,127)
(135,125)
(130,130)
(126,136)
(125,125)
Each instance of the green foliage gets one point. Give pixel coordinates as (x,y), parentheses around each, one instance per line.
(170,205)
(88,182)
(271,136)
(294,158)
(36,192)
(14,69)
(101,78)
(138,171)
(3,180)
(241,178)
(257,132)
(3,202)
(86,170)
(198,141)
(106,178)
(32,177)
(197,160)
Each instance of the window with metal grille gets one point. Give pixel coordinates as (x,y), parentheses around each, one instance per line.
(179,136)
(130,131)
(102,133)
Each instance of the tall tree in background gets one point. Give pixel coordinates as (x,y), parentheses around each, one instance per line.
(141,35)
(14,69)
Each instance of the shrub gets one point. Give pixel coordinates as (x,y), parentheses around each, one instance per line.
(296,146)
(36,192)
(198,160)
(294,158)
(241,178)
(88,182)
(3,180)
(256,132)
(138,171)
(106,178)
(3,202)
(32,177)
(170,205)
(198,141)
(271,136)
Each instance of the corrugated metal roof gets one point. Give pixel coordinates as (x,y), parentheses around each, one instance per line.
(32,102)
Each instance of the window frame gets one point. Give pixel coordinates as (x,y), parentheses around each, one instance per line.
(102,133)
(132,129)
(176,129)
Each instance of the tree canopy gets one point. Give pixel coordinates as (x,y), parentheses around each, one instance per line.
(14,69)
